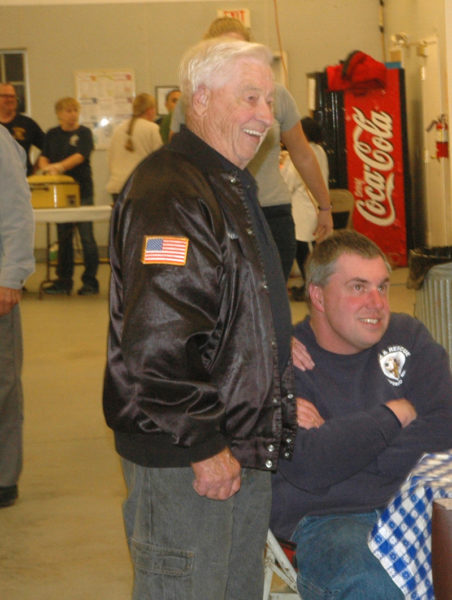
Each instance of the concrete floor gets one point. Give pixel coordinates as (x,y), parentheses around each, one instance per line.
(64,538)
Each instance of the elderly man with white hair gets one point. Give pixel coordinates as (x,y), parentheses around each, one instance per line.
(198,385)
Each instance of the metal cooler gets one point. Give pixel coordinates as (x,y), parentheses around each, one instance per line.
(53,191)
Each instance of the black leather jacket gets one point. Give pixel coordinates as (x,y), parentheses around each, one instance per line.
(192,358)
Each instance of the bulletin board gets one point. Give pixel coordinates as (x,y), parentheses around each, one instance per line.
(106,98)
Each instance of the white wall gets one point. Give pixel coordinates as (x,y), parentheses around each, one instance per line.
(151,37)
(419,19)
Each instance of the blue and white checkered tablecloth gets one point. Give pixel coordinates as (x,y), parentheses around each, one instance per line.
(401,539)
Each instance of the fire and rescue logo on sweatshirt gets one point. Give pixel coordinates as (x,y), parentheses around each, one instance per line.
(392,363)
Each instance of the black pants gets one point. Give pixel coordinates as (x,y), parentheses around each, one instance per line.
(65,268)
(282,226)
(302,255)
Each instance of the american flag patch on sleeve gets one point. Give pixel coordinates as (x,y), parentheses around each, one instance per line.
(164,250)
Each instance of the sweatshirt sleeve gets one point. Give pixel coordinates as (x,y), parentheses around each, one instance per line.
(16,216)
(429,389)
(340,448)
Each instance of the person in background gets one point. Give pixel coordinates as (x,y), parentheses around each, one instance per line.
(198,384)
(67,149)
(304,207)
(274,197)
(23,129)
(16,263)
(132,141)
(171,100)
(377,398)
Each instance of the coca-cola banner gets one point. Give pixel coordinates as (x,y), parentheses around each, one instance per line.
(376,165)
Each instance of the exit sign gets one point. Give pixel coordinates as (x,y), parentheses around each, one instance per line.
(241,14)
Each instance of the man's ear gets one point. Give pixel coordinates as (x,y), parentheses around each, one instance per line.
(200,100)
(316,296)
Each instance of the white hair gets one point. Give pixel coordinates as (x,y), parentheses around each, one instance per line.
(209,63)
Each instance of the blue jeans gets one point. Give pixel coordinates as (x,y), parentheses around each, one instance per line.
(334,561)
(187,547)
(65,269)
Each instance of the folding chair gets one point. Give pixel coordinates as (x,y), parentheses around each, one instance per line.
(277,563)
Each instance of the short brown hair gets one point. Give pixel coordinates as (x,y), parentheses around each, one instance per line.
(321,264)
(66,102)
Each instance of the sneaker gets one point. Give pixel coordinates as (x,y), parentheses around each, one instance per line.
(57,287)
(87,290)
(8,495)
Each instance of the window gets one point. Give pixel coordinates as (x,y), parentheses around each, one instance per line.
(13,70)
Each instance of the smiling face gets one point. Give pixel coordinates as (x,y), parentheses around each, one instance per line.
(235,117)
(351,312)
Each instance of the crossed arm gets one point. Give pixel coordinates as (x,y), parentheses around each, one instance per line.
(309,417)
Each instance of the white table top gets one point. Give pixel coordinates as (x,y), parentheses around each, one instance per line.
(72,215)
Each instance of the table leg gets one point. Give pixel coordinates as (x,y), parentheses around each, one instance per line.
(442,549)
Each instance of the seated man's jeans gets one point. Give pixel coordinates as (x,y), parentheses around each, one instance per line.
(334,561)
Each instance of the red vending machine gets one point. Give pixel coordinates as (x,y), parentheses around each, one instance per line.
(377,164)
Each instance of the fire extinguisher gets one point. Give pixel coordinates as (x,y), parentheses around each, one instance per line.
(441,136)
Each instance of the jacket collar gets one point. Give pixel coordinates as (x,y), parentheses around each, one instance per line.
(206,158)
(198,152)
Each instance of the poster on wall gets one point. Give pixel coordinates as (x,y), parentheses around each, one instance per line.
(106,98)
(377,164)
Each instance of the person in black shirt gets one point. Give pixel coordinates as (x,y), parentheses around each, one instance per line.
(23,129)
(67,149)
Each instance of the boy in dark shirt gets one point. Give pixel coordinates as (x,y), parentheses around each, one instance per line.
(67,149)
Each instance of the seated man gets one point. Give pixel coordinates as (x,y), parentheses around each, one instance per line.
(378,397)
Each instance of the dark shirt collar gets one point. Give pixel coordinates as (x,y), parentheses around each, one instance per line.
(205,157)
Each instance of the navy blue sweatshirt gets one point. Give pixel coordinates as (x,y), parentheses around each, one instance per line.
(358,459)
